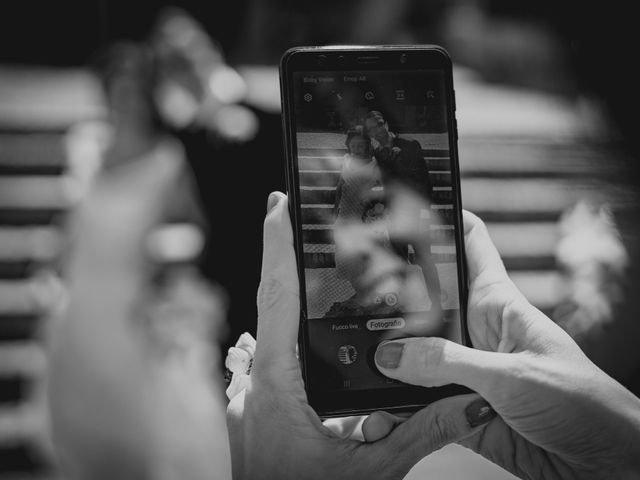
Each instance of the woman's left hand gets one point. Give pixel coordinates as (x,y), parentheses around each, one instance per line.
(274,432)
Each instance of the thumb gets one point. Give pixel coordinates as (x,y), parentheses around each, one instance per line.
(433,362)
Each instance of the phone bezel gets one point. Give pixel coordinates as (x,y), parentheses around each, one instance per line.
(392,58)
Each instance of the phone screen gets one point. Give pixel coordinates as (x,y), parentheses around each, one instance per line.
(378,217)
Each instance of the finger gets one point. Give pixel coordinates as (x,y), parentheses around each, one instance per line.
(443,422)
(482,255)
(278,294)
(380,424)
(346,427)
(433,361)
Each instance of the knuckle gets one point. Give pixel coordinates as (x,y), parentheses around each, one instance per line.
(498,296)
(270,292)
(471,221)
(439,430)
(478,226)
(514,306)
(513,382)
(429,353)
(274,294)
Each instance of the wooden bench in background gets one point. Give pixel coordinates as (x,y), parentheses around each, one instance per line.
(37,107)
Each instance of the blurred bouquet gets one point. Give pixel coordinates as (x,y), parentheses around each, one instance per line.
(593,263)
(135,384)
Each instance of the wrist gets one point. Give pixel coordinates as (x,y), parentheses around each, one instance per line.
(631,458)
(624,423)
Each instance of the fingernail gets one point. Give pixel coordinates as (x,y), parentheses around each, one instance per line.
(273,200)
(479,412)
(388,354)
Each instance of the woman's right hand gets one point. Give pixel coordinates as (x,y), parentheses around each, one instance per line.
(560,416)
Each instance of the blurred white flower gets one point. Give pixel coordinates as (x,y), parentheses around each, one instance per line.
(592,260)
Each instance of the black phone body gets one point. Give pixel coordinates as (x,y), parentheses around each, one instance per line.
(374,194)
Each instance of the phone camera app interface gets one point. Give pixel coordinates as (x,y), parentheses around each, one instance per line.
(377,208)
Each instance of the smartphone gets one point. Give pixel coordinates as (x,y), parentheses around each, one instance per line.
(374,193)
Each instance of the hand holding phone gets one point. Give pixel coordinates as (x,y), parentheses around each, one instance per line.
(551,400)
(373,182)
(273,431)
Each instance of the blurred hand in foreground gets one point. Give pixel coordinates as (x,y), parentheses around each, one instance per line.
(559,415)
(274,433)
(134,353)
